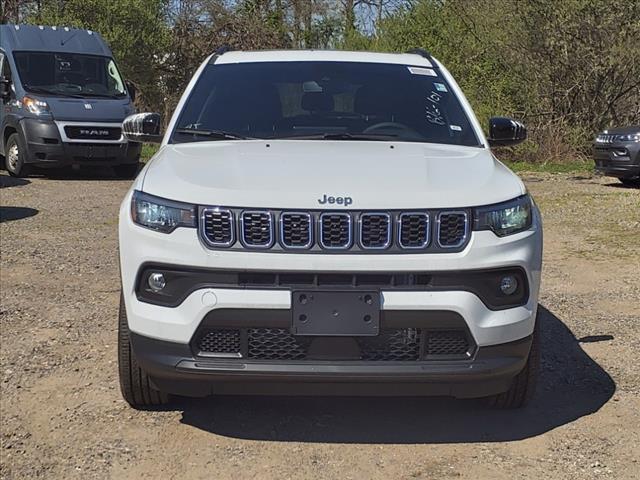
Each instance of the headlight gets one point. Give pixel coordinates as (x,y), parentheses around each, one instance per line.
(161,214)
(505,218)
(631,137)
(35,106)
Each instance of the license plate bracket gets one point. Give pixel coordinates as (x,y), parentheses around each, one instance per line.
(331,313)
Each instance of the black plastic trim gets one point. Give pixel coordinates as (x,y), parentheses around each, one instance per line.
(182,281)
(173,369)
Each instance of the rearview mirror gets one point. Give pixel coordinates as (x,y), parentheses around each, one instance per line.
(505,131)
(142,127)
(131,88)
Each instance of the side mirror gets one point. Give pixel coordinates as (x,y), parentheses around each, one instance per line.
(5,88)
(131,88)
(504,132)
(142,127)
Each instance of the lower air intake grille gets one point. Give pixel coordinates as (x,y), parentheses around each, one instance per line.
(335,230)
(257,229)
(447,342)
(217,227)
(399,345)
(452,229)
(275,344)
(220,341)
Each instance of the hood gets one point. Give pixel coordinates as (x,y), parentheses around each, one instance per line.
(623,130)
(102,109)
(297,173)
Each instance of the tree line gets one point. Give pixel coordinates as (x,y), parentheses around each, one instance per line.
(566,68)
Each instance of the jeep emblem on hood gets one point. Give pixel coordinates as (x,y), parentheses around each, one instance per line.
(346,201)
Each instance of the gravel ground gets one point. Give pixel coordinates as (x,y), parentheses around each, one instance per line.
(63,417)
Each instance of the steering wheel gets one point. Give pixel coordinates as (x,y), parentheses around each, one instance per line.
(391,126)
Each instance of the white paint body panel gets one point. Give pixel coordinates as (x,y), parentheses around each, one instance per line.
(293,174)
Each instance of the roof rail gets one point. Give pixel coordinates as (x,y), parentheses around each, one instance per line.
(223,49)
(220,51)
(423,53)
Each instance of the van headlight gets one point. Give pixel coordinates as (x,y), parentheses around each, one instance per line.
(505,218)
(35,106)
(161,214)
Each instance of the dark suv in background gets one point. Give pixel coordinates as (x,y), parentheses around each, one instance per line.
(617,154)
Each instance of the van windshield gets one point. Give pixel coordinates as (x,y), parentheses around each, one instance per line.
(69,74)
(323,100)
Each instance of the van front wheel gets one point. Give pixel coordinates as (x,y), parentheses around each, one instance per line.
(14,156)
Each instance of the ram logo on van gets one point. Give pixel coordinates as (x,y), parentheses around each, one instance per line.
(94,133)
(346,201)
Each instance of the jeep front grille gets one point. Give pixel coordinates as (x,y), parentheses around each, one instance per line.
(296,230)
(452,229)
(218,227)
(335,230)
(257,229)
(414,230)
(375,230)
(339,232)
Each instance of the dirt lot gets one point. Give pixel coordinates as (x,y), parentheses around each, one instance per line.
(63,417)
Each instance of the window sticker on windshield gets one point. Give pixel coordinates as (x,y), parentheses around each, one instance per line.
(433,113)
(456,128)
(441,87)
(422,71)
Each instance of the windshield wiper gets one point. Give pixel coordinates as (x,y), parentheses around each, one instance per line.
(101,95)
(212,133)
(46,91)
(344,136)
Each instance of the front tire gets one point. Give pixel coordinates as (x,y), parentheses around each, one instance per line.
(14,156)
(523,385)
(134,382)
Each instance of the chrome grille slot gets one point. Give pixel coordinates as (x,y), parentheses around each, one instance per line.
(452,229)
(413,230)
(295,230)
(335,230)
(257,229)
(218,227)
(375,230)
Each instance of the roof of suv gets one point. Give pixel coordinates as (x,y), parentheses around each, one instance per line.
(322,56)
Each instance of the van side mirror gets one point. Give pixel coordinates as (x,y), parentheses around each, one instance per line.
(142,127)
(131,88)
(5,88)
(504,132)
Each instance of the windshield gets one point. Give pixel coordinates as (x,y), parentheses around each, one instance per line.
(69,74)
(323,100)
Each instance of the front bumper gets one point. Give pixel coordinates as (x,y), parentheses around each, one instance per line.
(45,147)
(620,160)
(163,337)
(173,369)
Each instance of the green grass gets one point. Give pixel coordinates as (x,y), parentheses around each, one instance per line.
(148,151)
(574,166)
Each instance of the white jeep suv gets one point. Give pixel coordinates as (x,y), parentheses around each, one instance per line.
(323,222)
